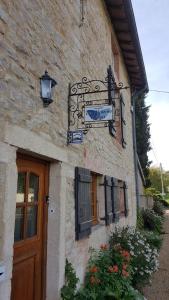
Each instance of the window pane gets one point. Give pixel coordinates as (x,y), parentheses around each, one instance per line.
(19,217)
(20,196)
(94,199)
(121,196)
(33,188)
(31,221)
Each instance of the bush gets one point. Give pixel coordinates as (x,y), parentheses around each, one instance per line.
(109,276)
(116,270)
(164,202)
(108,273)
(68,291)
(129,294)
(158,208)
(140,220)
(143,255)
(154,239)
(151,191)
(152,221)
(157,197)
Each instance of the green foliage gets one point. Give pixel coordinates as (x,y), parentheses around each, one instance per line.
(158,208)
(166,197)
(129,294)
(115,270)
(154,239)
(143,134)
(151,191)
(165,203)
(109,276)
(140,220)
(143,255)
(152,221)
(68,291)
(108,273)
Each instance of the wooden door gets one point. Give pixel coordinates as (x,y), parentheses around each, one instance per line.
(28,280)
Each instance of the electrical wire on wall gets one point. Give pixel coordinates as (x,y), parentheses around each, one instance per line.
(157,91)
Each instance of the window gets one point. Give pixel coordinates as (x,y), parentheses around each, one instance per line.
(86,210)
(85,202)
(94,199)
(82,203)
(123,122)
(121,196)
(27,206)
(116,201)
(117,125)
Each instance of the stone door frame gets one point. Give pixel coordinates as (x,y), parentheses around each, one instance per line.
(17,139)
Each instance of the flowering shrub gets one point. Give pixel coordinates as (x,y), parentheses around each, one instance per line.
(143,256)
(116,269)
(109,275)
(153,238)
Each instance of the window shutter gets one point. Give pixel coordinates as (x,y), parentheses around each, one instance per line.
(115,200)
(108,200)
(111,96)
(82,203)
(123,122)
(125,199)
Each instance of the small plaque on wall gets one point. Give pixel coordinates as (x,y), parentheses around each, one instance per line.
(75,137)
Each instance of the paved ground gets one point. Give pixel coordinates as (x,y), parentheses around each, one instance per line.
(159,289)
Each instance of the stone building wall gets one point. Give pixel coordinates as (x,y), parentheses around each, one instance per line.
(48,35)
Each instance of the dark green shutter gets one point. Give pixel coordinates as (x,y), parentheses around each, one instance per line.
(123,122)
(108,200)
(125,199)
(82,203)
(111,96)
(115,200)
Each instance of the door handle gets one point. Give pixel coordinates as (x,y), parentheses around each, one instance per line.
(47,199)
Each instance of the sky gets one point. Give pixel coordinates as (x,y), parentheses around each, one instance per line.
(152,19)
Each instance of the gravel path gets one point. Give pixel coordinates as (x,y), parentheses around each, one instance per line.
(159,289)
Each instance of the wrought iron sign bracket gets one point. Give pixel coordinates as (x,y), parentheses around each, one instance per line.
(91,104)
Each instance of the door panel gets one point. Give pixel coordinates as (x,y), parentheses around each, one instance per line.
(23,284)
(30,225)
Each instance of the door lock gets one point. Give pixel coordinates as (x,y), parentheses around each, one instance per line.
(47,199)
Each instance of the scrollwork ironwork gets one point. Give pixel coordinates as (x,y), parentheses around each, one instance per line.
(78,100)
(86,86)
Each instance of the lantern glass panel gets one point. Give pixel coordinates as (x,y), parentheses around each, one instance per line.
(46,89)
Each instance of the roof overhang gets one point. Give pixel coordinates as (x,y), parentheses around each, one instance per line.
(123,20)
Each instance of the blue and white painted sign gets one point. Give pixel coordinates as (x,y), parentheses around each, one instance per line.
(75,137)
(98,113)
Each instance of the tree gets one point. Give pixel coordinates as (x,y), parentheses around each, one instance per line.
(143,135)
(155,177)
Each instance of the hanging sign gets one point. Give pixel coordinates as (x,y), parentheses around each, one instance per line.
(75,137)
(98,113)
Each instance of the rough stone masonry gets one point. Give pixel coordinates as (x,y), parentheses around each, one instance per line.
(49,35)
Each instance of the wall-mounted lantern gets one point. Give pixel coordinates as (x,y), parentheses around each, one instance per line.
(46,85)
